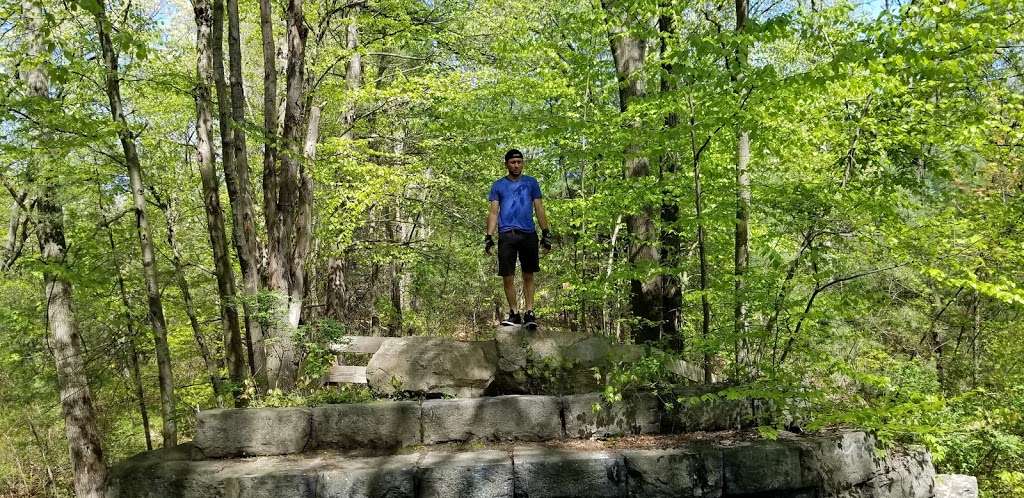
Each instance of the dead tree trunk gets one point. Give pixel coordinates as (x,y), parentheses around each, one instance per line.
(232,336)
(131,158)
(90,472)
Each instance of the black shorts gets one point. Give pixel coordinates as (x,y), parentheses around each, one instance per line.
(515,243)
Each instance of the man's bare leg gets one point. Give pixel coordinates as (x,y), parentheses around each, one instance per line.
(527,291)
(509,281)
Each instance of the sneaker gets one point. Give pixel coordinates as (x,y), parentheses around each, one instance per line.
(513,319)
(529,319)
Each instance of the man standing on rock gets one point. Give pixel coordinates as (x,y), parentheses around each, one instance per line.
(514,199)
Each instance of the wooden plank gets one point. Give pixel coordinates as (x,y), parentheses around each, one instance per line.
(345,374)
(357,344)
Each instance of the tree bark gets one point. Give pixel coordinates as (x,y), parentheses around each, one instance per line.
(353,71)
(90,471)
(288,230)
(205,66)
(628,53)
(669,240)
(131,158)
(240,195)
(270,185)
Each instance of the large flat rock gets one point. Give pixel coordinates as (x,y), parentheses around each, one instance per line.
(501,418)
(432,366)
(384,424)
(252,431)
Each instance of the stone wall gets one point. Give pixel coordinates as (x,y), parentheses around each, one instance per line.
(395,424)
(838,465)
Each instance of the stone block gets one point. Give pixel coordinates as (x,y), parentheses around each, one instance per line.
(903,473)
(837,462)
(635,414)
(674,472)
(761,467)
(701,409)
(547,472)
(384,424)
(484,474)
(432,366)
(158,478)
(501,418)
(955,486)
(392,476)
(252,431)
(271,477)
(550,362)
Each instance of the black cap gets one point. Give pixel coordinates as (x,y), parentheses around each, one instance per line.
(513,154)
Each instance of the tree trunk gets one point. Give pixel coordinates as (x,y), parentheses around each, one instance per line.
(240,195)
(741,250)
(17,231)
(353,72)
(212,366)
(90,472)
(270,187)
(233,348)
(669,240)
(698,202)
(131,158)
(288,230)
(646,300)
(336,293)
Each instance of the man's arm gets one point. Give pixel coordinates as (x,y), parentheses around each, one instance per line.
(492,218)
(542,217)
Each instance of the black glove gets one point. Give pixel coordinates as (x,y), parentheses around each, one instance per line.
(488,243)
(545,239)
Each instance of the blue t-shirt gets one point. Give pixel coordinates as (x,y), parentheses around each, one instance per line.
(515,202)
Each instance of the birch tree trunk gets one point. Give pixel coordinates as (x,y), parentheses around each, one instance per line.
(131,158)
(205,23)
(90,472)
